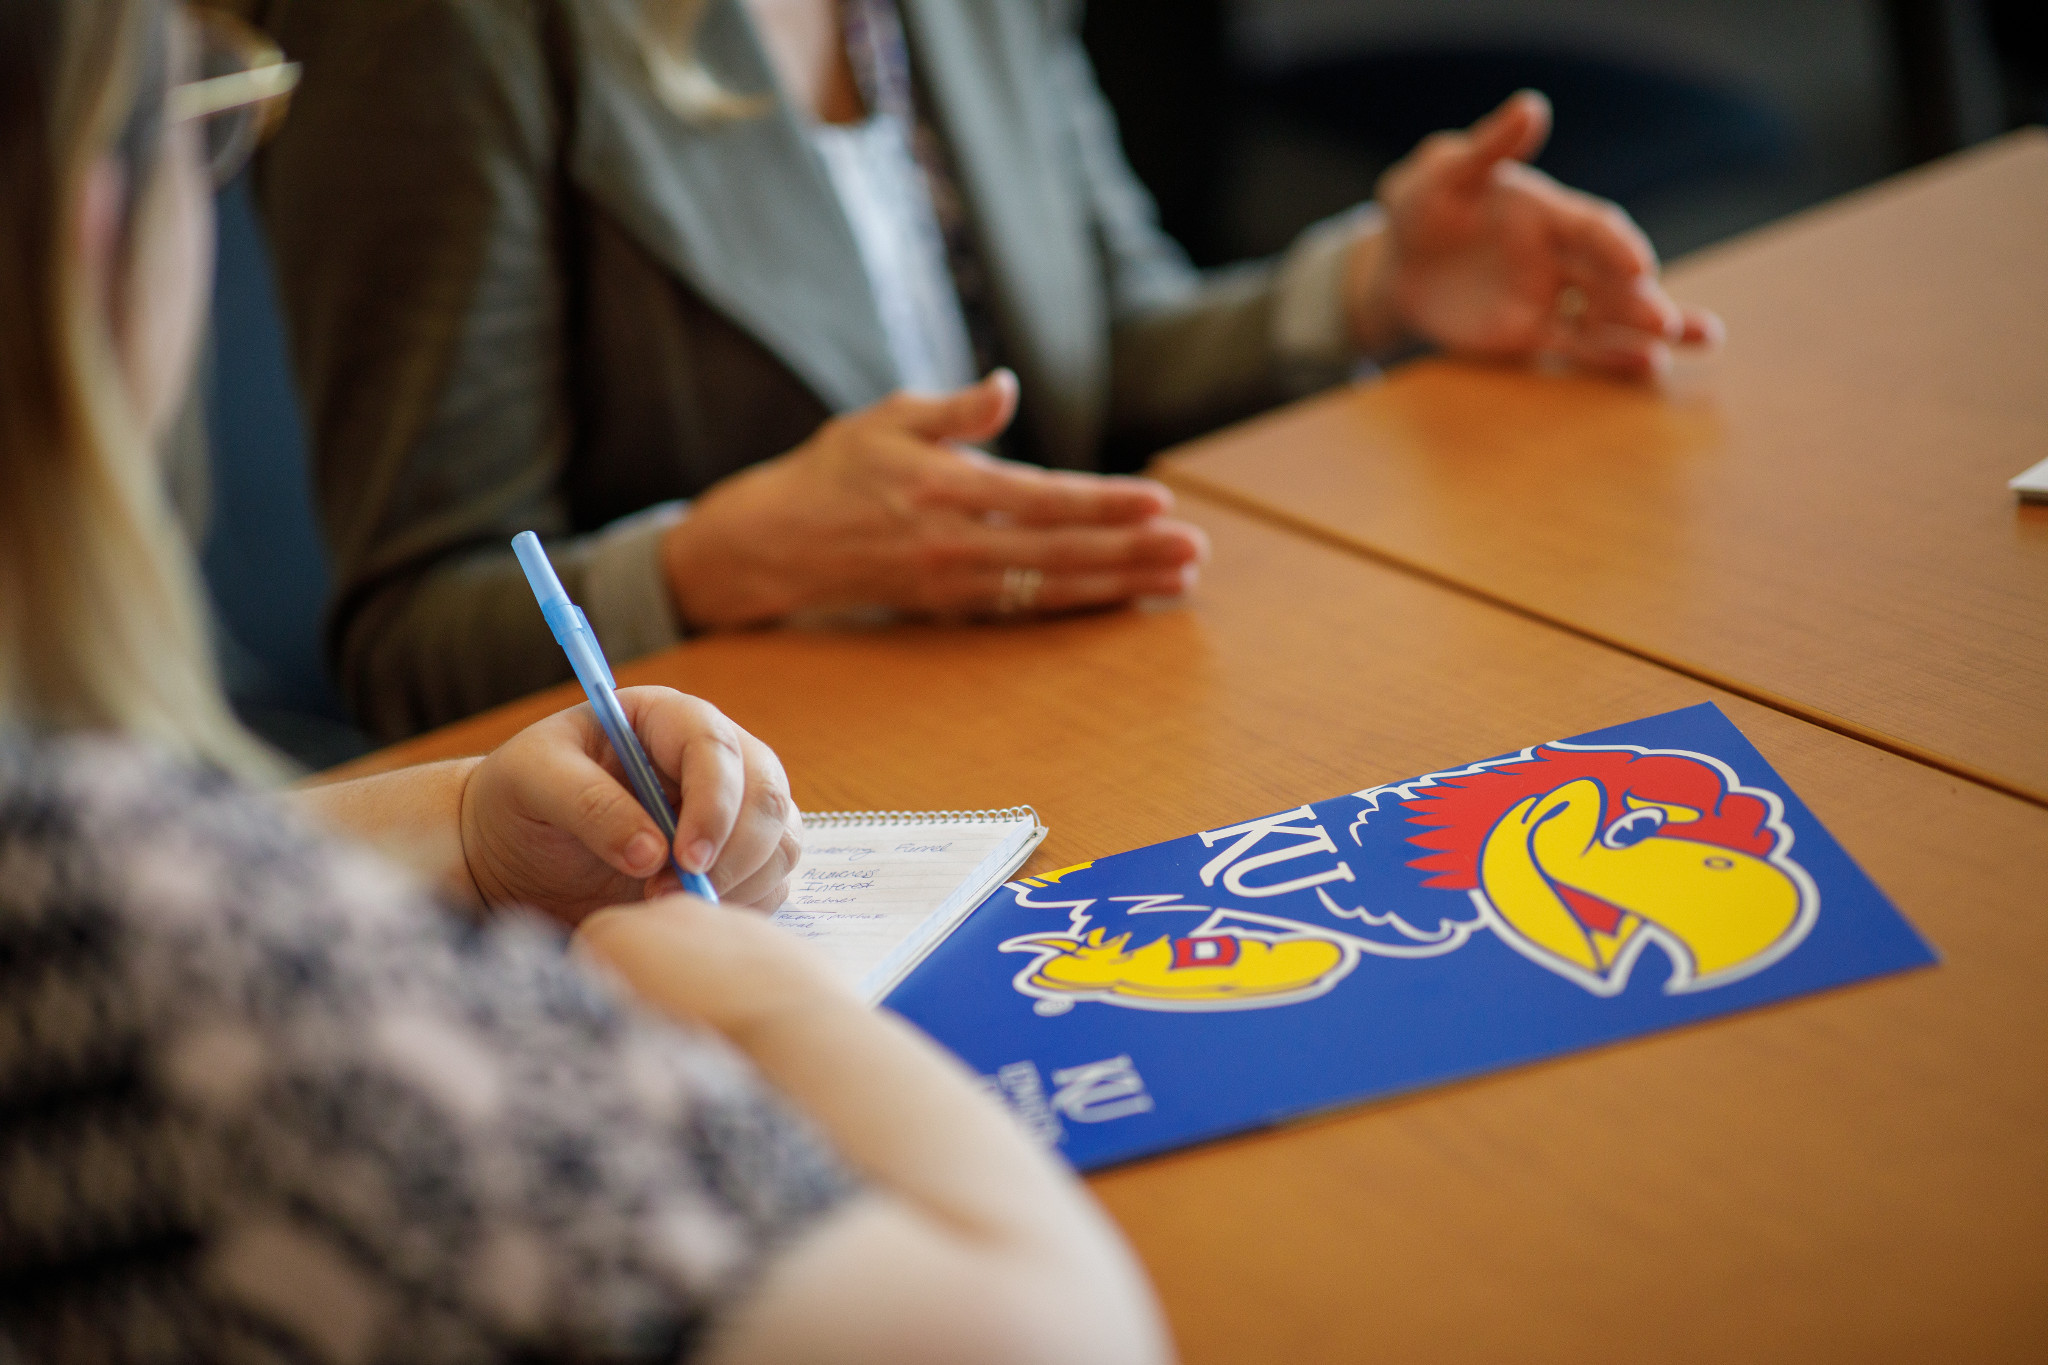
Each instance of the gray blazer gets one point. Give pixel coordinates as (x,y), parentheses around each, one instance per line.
(523,293)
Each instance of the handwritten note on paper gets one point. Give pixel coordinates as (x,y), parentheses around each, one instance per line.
(862,894)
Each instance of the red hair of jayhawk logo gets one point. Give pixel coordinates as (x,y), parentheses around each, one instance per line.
(1581,858)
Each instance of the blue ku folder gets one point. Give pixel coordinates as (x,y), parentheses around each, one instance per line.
(1571,894)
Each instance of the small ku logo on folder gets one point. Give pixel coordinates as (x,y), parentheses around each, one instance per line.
(1580,858)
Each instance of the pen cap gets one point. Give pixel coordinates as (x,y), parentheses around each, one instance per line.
(565,619)
(540,573)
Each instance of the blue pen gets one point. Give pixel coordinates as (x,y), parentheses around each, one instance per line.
(573,633)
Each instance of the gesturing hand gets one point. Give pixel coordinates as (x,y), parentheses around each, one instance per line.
(1487,256)
(547,820)
(889,507)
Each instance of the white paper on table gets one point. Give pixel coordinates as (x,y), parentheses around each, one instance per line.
(877,891)
(2032,486)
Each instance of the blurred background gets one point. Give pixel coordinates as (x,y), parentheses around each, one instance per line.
(1250,119)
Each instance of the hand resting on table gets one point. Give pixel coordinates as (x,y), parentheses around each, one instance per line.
(890,507)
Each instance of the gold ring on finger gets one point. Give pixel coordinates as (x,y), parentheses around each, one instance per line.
(1571,306)
(1019,592)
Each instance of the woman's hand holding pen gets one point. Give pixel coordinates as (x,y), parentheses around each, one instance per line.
(890,507)
(548,820)
(1486,256)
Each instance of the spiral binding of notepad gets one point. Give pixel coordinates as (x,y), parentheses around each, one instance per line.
(847,819)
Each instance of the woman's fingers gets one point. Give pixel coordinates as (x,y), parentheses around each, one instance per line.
(766,841)
(1625,352)
(1594,235)
(693,744)
(1605,254)
(977,549)
(991,592)
(1079,591)
(762,889)
(977,413)
(768,885)
(971,482)
(561,785)
(1631,330)
(1639,304)
(1533,266)
(712,782)
(968,572)
(1516,131)
(1700,327)
(737,822)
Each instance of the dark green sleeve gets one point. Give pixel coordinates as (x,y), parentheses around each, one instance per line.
(1189,349)
(415,207)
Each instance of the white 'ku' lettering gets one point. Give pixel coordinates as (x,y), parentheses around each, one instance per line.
(1315,839)
(1097,1092)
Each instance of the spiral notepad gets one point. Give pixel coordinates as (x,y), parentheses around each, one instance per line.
(877,890)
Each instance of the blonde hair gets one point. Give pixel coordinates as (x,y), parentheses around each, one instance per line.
(668,31)
(102,626)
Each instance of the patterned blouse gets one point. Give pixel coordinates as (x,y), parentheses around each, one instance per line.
(261,1099)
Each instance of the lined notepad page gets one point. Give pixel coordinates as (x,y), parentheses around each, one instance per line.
(877,890)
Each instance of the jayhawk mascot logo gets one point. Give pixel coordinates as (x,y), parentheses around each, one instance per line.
(1580,858)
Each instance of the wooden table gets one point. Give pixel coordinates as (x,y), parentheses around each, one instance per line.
(1854,1176)
(1817,518)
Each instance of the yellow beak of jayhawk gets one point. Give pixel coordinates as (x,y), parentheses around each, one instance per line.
(1576,894)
